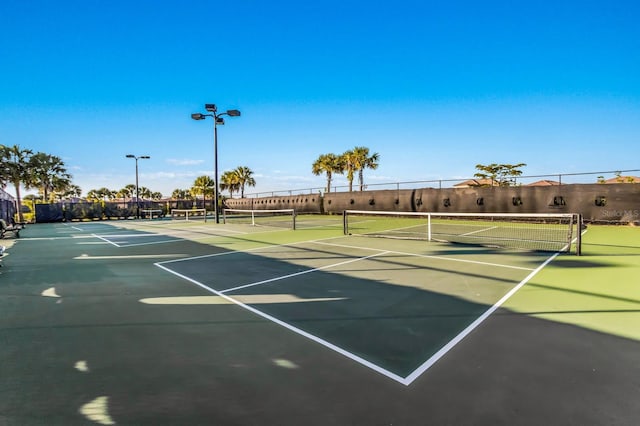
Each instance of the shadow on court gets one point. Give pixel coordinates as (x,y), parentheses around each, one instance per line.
(95,353)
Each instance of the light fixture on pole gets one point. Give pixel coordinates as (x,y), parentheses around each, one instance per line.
(217,121)
(142,157)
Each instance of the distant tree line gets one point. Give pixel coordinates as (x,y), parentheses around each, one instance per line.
(21,167)
(129,191)
(46,172)
(203,186)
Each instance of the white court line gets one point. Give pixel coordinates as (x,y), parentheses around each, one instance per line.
(53,238)
(194,228)
(303,272)
(409,379)
(426,256)
(403,380)
(104,239)
(127,257)
(129,235)
(288,326)
(268,246)
(174,235)
(176,239)
(88,225)
(446,348)
(108,238)
(479,230)
(92,243)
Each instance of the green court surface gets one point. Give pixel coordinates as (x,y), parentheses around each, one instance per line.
(192,323)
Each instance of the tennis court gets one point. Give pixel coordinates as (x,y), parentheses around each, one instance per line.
(193,322)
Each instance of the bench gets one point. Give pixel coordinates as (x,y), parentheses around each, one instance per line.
(5,228)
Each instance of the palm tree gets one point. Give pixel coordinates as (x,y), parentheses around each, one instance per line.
(145,192)
(127,192)
(203,185)
(63,189)
(181,194)
(229,181)
(103,194)
(72,191)
(362,160)
(93,195)
(122,193)
(350,161)
(329,164)
(47,173)
(245,177)
(15,169)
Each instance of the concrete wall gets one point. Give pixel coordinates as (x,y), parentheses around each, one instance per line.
(384,200)
(605,203)
(306,203)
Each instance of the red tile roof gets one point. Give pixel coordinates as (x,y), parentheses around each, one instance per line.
(623,179)
(544,182)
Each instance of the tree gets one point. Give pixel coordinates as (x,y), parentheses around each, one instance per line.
(499,174)
(127,192)
(229,181)
(15,170)
(349,161)
(245,178)
(357,160)
(181,194)
(329,164)
(145,192)
(365,161)
(48,173)
(67,191)
(92,195)
(102,194)
(203,185)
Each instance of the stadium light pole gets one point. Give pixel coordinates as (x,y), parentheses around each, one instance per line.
(217,121)
(142,157)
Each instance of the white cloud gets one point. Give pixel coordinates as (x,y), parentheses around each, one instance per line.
(184,162)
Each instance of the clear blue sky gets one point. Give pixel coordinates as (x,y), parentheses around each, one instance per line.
(433,87)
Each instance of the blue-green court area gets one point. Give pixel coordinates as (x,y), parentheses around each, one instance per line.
(168,322)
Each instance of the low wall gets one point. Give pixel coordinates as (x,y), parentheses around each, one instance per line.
(385,200)
(603,203)
(306,203)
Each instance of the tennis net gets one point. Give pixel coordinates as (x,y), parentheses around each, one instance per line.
(151,213)
(281,218)
(535,232)
(189,214)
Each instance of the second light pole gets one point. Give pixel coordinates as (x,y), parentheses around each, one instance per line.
(142,157)
(217,120)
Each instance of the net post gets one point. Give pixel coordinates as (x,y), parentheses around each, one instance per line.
(253,218)
(429,227)
(345,229)
(579,236)
(293,214)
